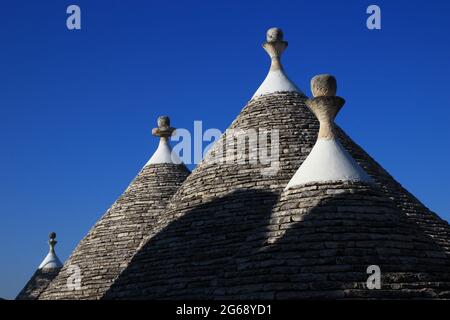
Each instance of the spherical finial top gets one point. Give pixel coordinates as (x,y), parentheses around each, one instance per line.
(52,242)
(163,122)
(274,35)
(164,129)
(323,85)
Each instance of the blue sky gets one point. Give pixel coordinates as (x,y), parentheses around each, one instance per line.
(77,107)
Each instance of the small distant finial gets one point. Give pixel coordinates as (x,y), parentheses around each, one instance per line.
(164,129)
(325,103)
(52,242)
(275,46)
(51,261)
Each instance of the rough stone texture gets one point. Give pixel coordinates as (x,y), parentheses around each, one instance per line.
(111,243)
(274,34)
(322,237)
(323,85)
(218,237)
(37,284)
(429,222)
(326,108)
(202,246)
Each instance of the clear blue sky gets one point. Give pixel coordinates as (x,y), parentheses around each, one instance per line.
(77,107)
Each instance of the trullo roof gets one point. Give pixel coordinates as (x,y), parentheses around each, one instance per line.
(109,246)
(230,231)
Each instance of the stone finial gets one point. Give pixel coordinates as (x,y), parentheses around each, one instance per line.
(52,242)
(274,35)
(164,129)
(328,159)
(275,46)
(163,153)
(51,261)
(323,85)
(325,104)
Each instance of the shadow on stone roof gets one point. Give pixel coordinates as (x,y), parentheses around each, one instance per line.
(247,252)
(332,235)
(192,255)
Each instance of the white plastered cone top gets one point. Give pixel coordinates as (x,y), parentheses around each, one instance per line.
(163,153)
(51,261)
(276,80)
(328,159)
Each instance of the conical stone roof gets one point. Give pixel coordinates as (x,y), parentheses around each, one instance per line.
(46,272)
(108,247)
(224,210)
(331,228)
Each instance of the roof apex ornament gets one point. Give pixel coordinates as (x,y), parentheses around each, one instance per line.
(276,80)
(164,130)
(275,46)
(163,153)
(325,104)
(52,242)
(328,159)
(51,261)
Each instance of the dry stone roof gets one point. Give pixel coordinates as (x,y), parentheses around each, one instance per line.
(37,284)
(111,243)
(230,231)
(325,234)
(222,210)
(323,237)
(216,237)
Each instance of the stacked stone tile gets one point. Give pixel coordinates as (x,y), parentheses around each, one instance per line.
(37,284)
(324,236)
(110,244)
(217,237)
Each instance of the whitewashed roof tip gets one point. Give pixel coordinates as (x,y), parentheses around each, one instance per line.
(276,80)
(51,261)
(328,159)
(163,153)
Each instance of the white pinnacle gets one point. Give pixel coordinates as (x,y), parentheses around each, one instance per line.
(276,80)
(51,261)
(163,153)
(328,159)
